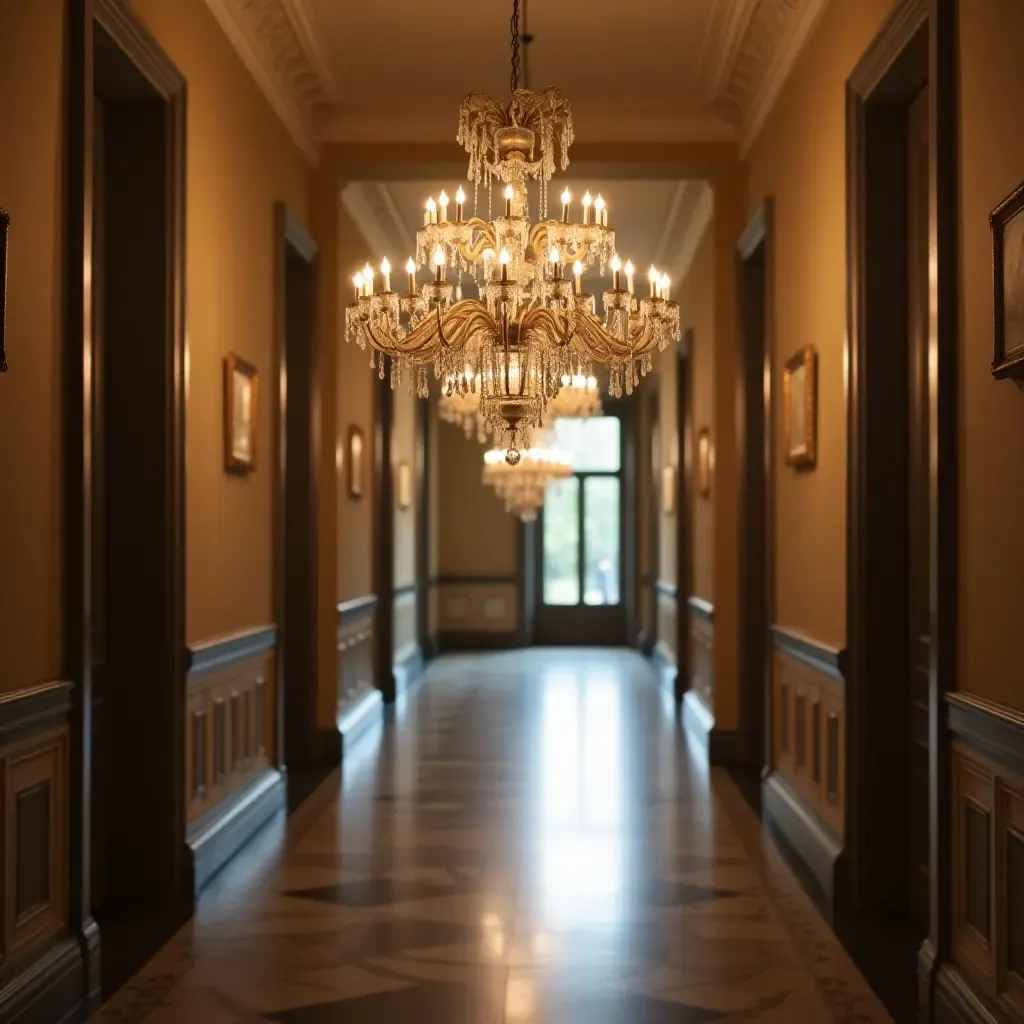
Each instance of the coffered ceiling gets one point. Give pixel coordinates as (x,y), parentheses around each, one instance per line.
(342,70)
(658,222)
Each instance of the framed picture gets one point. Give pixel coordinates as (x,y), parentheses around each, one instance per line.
(704,462)
(5,223)
(356,445)
(668,490)
(404,488)
(241,414)
(799,408)
(1007,222)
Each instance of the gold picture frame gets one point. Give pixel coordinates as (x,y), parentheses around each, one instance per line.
(1007,223)
(404,485)
(241,415)
(800,409)
(356,450)
(704,462)
(668,490)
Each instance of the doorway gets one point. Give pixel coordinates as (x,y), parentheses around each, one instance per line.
(300,744)
(125,416)
(755,460)
(584,564)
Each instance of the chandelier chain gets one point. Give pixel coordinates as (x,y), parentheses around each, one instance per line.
(515,45)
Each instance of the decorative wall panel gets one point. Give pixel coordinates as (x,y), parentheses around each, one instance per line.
(667,619)
(405,620)
(230,732)
(808,708)
(355,650)
(468,606)
(702,653)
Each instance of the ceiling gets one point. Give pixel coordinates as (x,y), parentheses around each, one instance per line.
(340,70)
(658,222)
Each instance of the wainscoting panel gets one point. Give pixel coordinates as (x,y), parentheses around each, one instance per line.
(702,650)
(405,619)
(359,700)
(466,606)
(808,702)
(231,788)
(34,737)
(987,835)
(667,622)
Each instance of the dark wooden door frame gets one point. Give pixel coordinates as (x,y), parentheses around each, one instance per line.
(129,35)
(756,582)
(290,237)
(384,537)
(423,471)
(919,31)
(684,511)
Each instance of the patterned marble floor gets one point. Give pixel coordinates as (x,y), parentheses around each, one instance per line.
(529,841)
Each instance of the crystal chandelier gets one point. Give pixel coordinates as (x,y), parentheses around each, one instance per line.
(521,485)
(532,325)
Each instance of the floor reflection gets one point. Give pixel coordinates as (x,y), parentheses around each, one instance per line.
(530,840)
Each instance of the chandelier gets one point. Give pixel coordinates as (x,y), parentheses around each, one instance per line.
(532,324)
(521,485)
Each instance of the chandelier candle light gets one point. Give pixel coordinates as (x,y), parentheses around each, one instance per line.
(521,485)
(529,328)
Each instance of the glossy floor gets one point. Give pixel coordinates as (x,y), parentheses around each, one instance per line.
(530,840)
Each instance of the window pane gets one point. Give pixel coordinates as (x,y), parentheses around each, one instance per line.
(593,443)
(601,533)
(562,542)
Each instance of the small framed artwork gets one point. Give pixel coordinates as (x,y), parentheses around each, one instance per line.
(5,223)
(356,445)
(1007,222)
(704,462)
(404,487)
(799,409)
(241,408)
(668,490)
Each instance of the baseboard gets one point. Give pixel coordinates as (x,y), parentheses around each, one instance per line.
(408,669)
(504,640)
(664,668)
(214,843)
(805,836)
(362,716)
(48,988)
(956,1002)
(722,746)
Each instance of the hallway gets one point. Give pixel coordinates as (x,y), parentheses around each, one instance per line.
(528,839)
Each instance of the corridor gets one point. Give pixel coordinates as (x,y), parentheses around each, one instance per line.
(528,839)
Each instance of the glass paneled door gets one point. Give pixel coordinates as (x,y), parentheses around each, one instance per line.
(580,550)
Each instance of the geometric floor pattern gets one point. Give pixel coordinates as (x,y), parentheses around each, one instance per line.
(528,839)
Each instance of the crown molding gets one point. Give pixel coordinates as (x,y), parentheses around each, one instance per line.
(696,209)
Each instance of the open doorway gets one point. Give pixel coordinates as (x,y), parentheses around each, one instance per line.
(753,257)
(126,494)
(301,744)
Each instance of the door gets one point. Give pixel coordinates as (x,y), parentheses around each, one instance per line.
(917,501)
(582,570)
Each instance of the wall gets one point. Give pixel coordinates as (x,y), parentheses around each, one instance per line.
(991,469)
(31,552)
(405,432)
(240,160)
(800,160)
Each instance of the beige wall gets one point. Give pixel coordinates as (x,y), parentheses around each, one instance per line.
(800,160)
(31,82)
(696,309)
(991,412)
(406,414)
(240,161)
(669,445)
(476,536)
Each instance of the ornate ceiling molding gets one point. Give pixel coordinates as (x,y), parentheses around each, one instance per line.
(748,51)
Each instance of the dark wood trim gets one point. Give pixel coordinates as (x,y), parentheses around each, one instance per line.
(700,608)
(829,661)
(296,485)
(879,91)
(955,1001)
(34,708)
(755,270)
(365,605)
(499,640)
(406,588)
(216,837)
(469,579)
(224,650)
(685,490)
(664,589)
(50,991)
(384,538)
(165,691)
(990,728)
